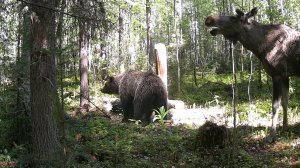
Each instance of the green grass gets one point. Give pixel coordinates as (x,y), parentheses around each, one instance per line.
(96,141)
(216,89)
(130,145)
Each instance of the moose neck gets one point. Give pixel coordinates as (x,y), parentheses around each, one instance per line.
(263,39)
(253,37)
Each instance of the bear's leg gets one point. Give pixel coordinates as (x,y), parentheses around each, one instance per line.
(128,111)
(143,110)
(127,107)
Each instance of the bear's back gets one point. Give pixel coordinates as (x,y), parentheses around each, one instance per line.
(147,81)
(129,82)
(151,84)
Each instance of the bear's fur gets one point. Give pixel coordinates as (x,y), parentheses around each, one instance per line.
(140,93)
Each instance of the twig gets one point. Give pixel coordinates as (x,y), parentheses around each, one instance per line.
(65,13)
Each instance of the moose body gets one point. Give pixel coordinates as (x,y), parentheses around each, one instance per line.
(276,46)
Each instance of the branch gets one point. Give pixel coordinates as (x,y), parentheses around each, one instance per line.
(60,11)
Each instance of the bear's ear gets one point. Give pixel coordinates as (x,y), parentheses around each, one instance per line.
(110,79)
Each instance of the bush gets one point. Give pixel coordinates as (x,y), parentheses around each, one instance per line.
(211,135)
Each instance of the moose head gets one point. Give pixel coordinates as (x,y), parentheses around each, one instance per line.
(231,27)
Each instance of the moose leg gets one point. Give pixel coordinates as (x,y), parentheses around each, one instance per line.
(277,95)
(284,102)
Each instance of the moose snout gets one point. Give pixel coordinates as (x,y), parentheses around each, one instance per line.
(210,21)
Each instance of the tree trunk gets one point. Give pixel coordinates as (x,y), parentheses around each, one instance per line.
(149,35)
(249,82)
(242,65)
(270,11)
(84,39)
(22,112)
(44,98)
(121,60)
(104,31)
(259,74)
(59,38)
(178,32)
(233,85)
(74,72)
(60,56)
(195,44)
(161,62)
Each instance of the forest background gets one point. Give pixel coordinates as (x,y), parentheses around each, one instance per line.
(72,46)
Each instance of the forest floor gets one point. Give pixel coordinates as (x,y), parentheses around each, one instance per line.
(94,140)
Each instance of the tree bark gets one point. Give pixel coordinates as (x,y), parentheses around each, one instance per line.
(233,85)
(84,39)
(149,35)
(161,62)
(121,60)
(59,38)
(178,35)
(195,29)
(21,128)
(44,98)
(249,82)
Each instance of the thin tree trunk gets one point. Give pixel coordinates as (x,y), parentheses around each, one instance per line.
(177,20)
(242,65)
(169,30)
(270,9)
(259,74)
(121,60)
(249,82)
(59,37)
(178,65)
(59,46)
(21,128)
(84,39)
(233,85)
(149,51)
(161,62)
(23,85)
(234,95)
(74,67)
(44,98)
(195,26)
(282,10)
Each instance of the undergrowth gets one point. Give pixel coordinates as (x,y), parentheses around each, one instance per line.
(95,141)
(103,144)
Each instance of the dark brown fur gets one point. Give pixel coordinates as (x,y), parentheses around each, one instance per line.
(140,93)
(276,46)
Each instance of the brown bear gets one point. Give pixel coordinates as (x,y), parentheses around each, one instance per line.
(140,93)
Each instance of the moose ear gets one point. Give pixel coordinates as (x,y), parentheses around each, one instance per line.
(239,12)
(253,12)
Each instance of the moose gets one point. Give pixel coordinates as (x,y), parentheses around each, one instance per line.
(276,46)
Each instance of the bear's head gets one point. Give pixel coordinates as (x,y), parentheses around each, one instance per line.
(111,86)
